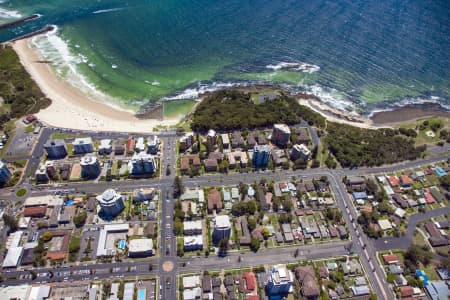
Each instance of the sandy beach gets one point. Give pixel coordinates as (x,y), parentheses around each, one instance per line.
(73,109)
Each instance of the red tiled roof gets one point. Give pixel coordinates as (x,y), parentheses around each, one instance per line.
(428,197)
(405,180)
(406,291)
(393,181)
(390,258)
(250,281)
(35,211)
(214,200)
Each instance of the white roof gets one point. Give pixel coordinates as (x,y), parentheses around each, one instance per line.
(193,240)
(88,160)
(384,224)
(19,292)
(50,200)
(101,250)
(250,191)
(140,144)
(400,212)
(105,144)
(12,257)
(225,138)
(15,238)
(114,291)
(302,148)
(282,127)
(192,294)
(128,292)
(201,196)
(39,292)
(222,222)
(388,190)
(140,245)
(190,225)
(85,140)
(211,132)
(191,281)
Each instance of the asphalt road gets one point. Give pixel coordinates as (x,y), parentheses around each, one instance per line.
(403,242)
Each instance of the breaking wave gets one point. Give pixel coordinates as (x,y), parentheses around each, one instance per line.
(297,67)
(56,50)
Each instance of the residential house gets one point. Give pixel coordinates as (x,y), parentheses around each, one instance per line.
(390,259)
(186,141)
(302,136)
(405,181)
(237,141)
(308,281)
(211,165)
(225,141)
(436,239)
(188,160)
(245,238)
(214,201)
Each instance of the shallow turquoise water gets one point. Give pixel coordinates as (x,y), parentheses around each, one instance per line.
(369,52)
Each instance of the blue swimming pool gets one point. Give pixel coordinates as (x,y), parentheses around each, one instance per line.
(141,294)
(68,202)
(121,244)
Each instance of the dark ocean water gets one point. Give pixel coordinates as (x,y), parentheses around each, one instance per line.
(371,53)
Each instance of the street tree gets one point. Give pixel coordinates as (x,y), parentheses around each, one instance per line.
(177,187)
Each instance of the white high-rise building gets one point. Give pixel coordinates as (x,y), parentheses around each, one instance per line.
(111,203)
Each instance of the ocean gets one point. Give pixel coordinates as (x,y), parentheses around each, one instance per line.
(356,55)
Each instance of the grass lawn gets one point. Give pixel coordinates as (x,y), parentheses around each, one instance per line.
(419,239)
(21,192)
(430,271)
(29,129)
(20,163)
(61,135)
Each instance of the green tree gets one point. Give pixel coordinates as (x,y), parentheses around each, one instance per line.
(80,219)
(178,227)
(265,233)
(177,187)
(251,207)
(223,247)
(445,182)
(10,222)
(239,209)
(47,236)
(254,244)
(251,224)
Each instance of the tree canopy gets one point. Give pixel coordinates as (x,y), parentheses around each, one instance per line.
(354,147)
(20,93)
(234,110)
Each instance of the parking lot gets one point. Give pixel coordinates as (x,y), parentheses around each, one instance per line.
(21,142)
(93,237)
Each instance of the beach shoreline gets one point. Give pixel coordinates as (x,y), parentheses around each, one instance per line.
(71,108)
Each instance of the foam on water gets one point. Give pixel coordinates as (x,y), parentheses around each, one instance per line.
(9,14)
(193,93)
(102,11)
(56,50)
(295,66)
